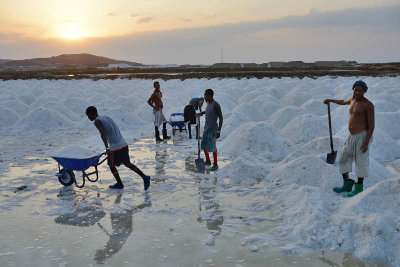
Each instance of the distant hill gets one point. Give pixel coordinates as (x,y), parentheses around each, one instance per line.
(66,61)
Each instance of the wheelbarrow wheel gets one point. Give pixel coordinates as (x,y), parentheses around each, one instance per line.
(66,177)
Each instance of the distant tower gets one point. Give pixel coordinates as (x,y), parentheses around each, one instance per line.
(222,54)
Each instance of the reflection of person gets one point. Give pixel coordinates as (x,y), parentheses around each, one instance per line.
(190,166)
(190,114)
(121,223)
(361,126)
(214,218)
(116,147)
(160,159)
(156,103)
(211,129)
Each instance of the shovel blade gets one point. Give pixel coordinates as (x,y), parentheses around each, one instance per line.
(200,165)
(331,157)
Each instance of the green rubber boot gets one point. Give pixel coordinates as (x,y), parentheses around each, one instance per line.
(207,163)
(347,186)
(214,168)
(358,188)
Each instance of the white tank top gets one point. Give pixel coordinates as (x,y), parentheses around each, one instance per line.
(113,135)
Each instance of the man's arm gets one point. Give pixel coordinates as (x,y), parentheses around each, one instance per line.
(150,101)
(100,127)
(217,108)
(371,126)
(339,102)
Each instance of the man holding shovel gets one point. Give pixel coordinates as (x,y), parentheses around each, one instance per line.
(361,127)
(212,129)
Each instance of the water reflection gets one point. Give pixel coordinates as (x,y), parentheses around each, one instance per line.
(83,214)
(121,225)
(209,209)
(161,159)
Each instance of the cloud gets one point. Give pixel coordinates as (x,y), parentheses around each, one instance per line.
(134,15)
(364,35)
(112,14)
(144,20)
(187,20)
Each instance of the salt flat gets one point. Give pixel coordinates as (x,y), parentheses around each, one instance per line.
(271,201)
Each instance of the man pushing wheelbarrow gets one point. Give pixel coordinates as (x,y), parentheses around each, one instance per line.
(116,147)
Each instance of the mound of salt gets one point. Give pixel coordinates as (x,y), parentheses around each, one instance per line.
(75,152)
(306,170)
(304,128)
(16,106)
(8,117)
(257,110)
(395,165)
(318,147)
(387,121)
(370,223)
(284,115)
(260,139)
(43,119)
(27,98)
(233,120)
(246,169)
(315,106)
(297,96)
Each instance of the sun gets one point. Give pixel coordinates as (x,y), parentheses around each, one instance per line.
(72,32)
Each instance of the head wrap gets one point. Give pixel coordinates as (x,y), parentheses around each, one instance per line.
(361,83)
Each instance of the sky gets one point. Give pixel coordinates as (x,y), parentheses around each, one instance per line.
(203,32)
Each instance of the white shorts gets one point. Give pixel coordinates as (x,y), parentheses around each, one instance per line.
(159,117)
(351,152)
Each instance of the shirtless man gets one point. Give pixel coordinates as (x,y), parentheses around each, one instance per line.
(361,126)
(156,103)
(116,147)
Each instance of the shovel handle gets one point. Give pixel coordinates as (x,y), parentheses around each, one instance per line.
(330,126)
(198,137)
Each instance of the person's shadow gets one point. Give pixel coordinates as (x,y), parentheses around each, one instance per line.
(121,223)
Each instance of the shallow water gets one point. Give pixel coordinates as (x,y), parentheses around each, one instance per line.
(185,219)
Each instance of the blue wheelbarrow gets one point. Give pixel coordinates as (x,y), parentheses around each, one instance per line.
(67,166)
(177,121)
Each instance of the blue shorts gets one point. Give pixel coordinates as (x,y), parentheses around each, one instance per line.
(208,140)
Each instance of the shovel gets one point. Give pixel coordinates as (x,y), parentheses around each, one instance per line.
(199,161)
(330,157)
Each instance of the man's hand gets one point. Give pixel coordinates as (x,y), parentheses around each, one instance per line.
(364,147)
(108,152)
(326,101)
(199,114)
(217,135)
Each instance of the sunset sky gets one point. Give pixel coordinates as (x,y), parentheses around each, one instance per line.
(185,31)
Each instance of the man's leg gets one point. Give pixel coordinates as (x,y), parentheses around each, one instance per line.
(190,130)
(157,134)
(119,184)
(164,131)
(146,178)
(215,163)
(208,161)
(358,187)
(345,166)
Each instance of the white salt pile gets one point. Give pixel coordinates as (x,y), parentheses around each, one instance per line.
(275,130)
(75,152)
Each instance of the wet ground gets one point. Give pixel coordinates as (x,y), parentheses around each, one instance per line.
(185,219)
